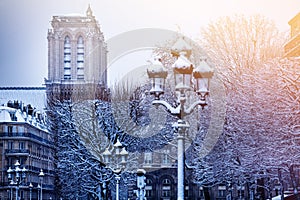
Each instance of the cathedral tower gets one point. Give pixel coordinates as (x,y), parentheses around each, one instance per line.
(77,58)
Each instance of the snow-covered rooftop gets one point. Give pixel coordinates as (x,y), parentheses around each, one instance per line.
(16,103)
(36,118)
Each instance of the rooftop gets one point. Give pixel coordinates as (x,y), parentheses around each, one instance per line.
(16,112)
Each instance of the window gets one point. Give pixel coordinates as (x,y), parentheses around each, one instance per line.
(10,162)
(9,129)
(38,151)
(67,58)
(148,188)
(21,145)
(149,192)
(166,157)
(13,117)
(166,188)
(10,145)
(30,148)
(80,58)
(148,158)
(21,129)
(22,161)
(221,191)
(22,194)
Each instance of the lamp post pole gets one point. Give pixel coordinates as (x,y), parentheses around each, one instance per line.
(11,193)
(182,128)
(184,74)
(17,193)
(38,189)
(41,176)
(118,178)
(16,176)
(116,160)
(30,191)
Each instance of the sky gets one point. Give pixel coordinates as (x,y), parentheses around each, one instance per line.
(24,25)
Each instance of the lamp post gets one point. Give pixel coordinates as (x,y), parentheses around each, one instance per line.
(38,188)
(41,176)
(141,184)
(30,191)
(116,160)
(184,75)
(11,191)
(16,176)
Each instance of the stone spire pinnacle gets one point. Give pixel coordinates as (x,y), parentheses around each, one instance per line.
(89,12)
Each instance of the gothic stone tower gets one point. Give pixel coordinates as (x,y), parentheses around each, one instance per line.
(77,58)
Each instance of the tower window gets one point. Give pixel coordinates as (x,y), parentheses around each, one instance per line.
(80,58)
(67,58)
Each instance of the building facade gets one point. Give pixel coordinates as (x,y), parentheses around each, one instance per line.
(77,58)
(161,179)
(292,47)
(24,138)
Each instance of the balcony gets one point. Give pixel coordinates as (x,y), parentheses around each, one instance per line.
(6,135)
(16,152)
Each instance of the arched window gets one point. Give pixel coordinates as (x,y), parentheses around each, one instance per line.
(166,188)
(149,188)
(67,58)
(80,58)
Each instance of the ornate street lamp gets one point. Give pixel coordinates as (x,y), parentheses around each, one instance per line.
(181,46)
(202,74)
(106,154)
(183,70)
(158,74)
(41,177)
(187,78)
(116,160)
(16,176)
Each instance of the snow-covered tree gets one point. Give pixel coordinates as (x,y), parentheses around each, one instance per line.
(262,101)
(83,130)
